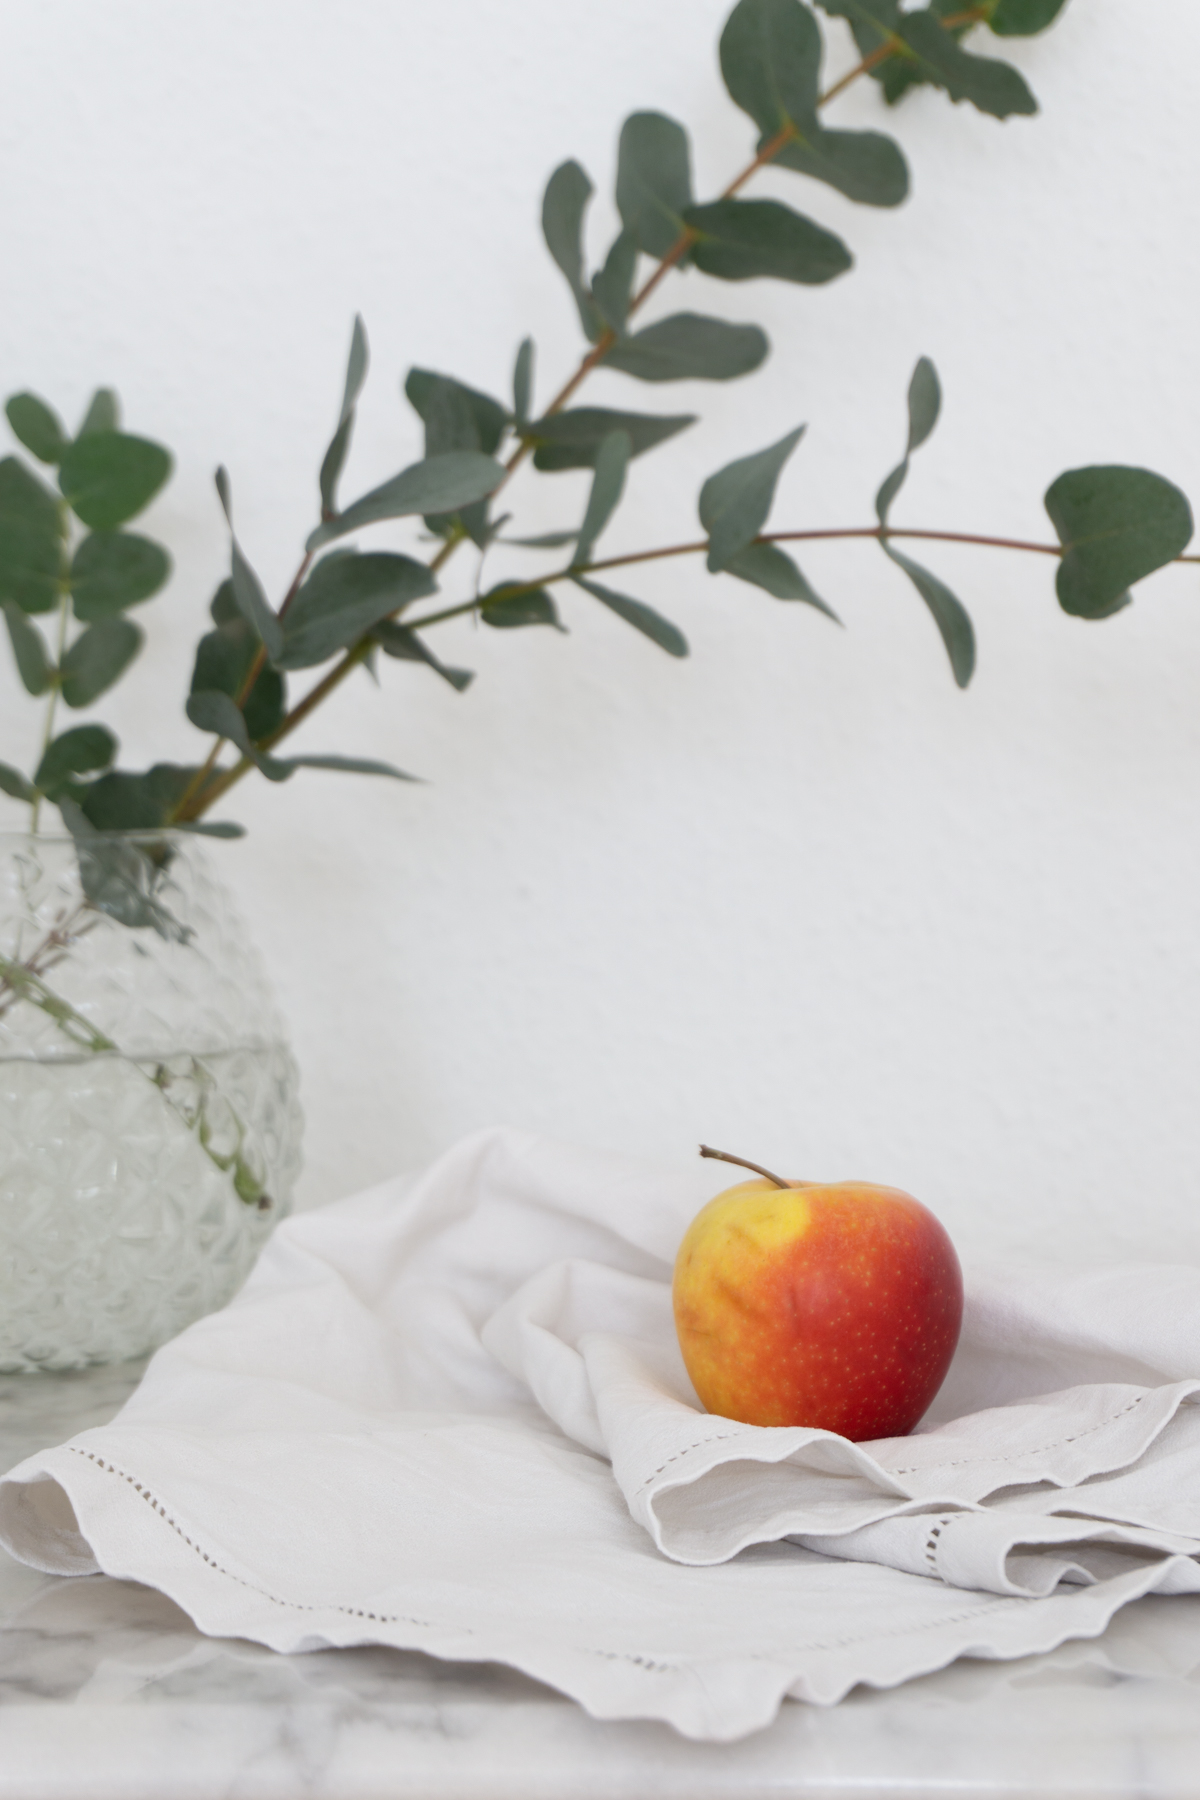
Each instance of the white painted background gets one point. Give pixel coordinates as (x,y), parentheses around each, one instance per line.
(798,896)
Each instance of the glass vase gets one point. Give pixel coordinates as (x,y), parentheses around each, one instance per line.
(149,1120)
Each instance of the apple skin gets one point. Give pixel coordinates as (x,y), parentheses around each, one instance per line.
(837,1306)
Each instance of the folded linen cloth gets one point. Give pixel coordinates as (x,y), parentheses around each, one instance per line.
(450,1415)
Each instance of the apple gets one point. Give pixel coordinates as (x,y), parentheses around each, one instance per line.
(835,1305)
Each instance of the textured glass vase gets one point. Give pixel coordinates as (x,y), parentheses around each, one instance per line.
(149,1121)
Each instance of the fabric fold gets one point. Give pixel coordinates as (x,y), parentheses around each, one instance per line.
(451,1415)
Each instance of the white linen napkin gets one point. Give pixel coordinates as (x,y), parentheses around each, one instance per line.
(450,1415)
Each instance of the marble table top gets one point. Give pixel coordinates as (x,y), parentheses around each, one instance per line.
(108,1692)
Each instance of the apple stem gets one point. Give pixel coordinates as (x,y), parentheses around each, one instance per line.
(724,1156)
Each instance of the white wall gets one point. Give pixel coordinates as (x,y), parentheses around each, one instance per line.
(797,896)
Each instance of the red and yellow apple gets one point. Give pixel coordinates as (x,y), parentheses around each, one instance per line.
(833,1305)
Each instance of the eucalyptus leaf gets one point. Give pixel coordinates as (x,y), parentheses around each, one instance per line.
(438,484)
(549,540)
(735,502)
(654,181)
(1116,525)
(210,710)
(924,405)
(508,612)
(613,285)
(29,650)
(98,657)
(740,240)
(246,588)
(404,644)
(103,414)
(608,483)
(346,765)
(215,828)
(1023,18)
(690,347)
(120,878)
(343,598)
(218,713)
(523,381)
(643,618)
(31,536)
(865,166)
(936,55)
(80,751)
(769,567)
(37,426)
(771,63)
(224,659)
(992,87)
(122,801)
(455,416)
(335,456)
(115,569)
(13,783)
(563,207)
(949,614)
(108,476)
(571,440)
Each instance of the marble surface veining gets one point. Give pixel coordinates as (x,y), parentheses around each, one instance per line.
(108,1692)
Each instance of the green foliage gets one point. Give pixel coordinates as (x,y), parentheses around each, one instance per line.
(687,347)
(608,483)
(114,569)
(247,589)
(36,426)
(457,417)
(31,537)
(1116,526)
(404,644)
(613,284)
(563,207)
(739,240)
(121,801)
(924,405)
(654,181)
(735,502)
(14,784)
(571,440)
(523,381)
(771,62)
(108,476)
(343,598)
(218,713)
(949,614)
(103,413)
(335,456)
(508,611)
(935,55)
(1023,18)
(98,658)
(81,751)
(440,484)
(768,567)
(224,660)
(660,631)
(29,651)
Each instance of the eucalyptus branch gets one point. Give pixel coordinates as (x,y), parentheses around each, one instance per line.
(202,793)
(1113,525)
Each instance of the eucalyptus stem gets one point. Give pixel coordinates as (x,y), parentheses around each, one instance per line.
(203,791)
(64,614)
